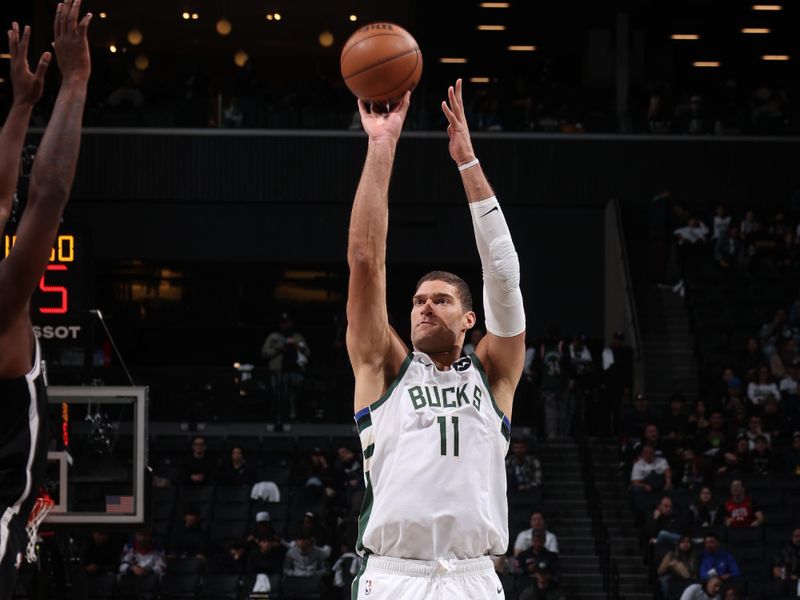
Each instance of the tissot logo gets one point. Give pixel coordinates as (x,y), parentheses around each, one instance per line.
(60,332)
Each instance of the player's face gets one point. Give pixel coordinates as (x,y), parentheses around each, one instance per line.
(438,320)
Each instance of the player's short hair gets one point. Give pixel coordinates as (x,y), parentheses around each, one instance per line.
(464,294)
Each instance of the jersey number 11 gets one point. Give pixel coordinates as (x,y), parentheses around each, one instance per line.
(443,432)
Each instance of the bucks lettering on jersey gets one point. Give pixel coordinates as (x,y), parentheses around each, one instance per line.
(551,366)
(434,446)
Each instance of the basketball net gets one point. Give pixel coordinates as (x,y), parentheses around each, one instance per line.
(44,504)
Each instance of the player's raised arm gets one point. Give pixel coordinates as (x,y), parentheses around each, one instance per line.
(373,348)
(502,350)
(27,87)
(53,170)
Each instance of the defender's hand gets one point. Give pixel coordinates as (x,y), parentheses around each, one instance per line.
(71,43)
(27,86)
(384,126)
(460,143)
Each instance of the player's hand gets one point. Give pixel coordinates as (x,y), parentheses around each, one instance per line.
(384,126)
(457,129)
(71,43)
(27,86)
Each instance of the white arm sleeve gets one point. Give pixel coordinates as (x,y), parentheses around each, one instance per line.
(502,298)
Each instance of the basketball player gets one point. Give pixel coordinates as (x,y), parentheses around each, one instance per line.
(434,428)
(23,404)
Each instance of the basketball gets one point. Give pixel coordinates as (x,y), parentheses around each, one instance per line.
(380,62)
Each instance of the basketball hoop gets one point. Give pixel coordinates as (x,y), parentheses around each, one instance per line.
(44,504)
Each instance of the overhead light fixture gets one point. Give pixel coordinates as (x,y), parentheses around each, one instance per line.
(135,37)
(452,60)
(103,15)
(186,16)
(755,30)
(224,26)
(325,39)
(269,17)
(112,48)
(778,57)
(195,16)
(479,80)
(354,18)
(684,36)
(491,27)
(241,58)
(142,62)
(706,63)
(771,7)
(5,55)
(277,16)
(495,4)
(521,48)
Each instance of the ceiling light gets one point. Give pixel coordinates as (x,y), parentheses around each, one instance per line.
(521,48)
(684,36)
(5,55)
(224,26)
(326,39)
(479,80)
(112,48)
(186,16)
(135,37)
(706,63)
(142,62)
(277,16)
(495,4)
(755,30)
(354,18)
(453,61)
(767,7)
(103,15)
(240,58)
(782,57)
(491,27)
(195,16)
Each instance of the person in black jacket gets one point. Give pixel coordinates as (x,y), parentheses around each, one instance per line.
(236,471)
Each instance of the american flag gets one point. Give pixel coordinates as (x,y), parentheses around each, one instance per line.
(119,504)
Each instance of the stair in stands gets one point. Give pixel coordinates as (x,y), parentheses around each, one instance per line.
(567,511)
(618,519)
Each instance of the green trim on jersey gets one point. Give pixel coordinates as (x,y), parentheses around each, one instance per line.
(403,368)
(364,422)
(504,429)
(357,580)
(363,518)
(369,451)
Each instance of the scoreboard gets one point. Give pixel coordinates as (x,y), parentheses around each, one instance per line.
(59,309)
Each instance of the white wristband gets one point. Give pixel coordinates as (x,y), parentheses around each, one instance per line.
(466,166)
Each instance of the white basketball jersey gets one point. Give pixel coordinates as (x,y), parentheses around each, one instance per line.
(434,448)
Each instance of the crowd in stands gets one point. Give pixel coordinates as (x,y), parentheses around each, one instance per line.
(714,480)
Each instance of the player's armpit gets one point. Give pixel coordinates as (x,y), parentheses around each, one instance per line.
(503,358)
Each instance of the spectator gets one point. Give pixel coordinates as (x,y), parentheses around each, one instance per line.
(762,462)
(198,469)
(345,569)
(268,557)
(616,384)
(793,459)
(749,225)
(736,462)
(544,587)
(698,420)
(189,539)
(528,560)
(99,554)
(708,590)
(784,358)
(525,538)
(713,558)
(552,383)
(664,525)
(751,358)
(714,438)
(317,471)
(348,474)
(721,223)
(658,120)
(524,471)
(692,473)
(675,424)
(141,557)
(772,332)
(262,529)
(679,563)
(650,473)
(304,559)
(786,564)
(316,531)
(774,421)
(729,249)
(635,421)
(706,512)
(788,385)
(693,234)
(762,389)
(236,471)
(287,353)
(475,336)
(740,509)
(755,429)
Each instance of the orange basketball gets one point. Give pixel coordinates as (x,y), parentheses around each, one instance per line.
(380,62)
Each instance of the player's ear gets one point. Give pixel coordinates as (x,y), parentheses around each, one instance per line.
(470,319)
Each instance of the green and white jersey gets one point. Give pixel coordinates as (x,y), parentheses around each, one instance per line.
(434,447)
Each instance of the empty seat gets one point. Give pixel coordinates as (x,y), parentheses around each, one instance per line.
(238,511)
(138,587)
(179,587)
(302,588)
(228,530)
(740,536)
(184,566)
(233,494)
(766,589)
(220,587)
(196,494)
(101,586)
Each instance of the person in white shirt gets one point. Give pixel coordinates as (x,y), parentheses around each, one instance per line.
(525,538)
(648,465)
(759,391)
(722,221)
(694,232)
(708,590)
